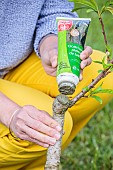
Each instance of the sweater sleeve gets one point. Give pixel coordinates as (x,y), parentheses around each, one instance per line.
(46,23)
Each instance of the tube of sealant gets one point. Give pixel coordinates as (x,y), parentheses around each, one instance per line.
(71,39)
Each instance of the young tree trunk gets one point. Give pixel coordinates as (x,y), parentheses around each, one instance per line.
(60,105)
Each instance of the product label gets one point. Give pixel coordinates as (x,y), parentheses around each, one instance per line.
(73,51)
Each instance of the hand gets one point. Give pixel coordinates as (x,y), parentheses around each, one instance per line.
(86,60)
(36,126)
(49,52)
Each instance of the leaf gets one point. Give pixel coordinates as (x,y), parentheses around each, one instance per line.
(78,8)
(100,71)
(86,88)
(105,65)
(99,62)
(97,90)
(97,98)
(102,10)
(94,3)
(90,10)
(109,91)
(111,69)
(103,62)
(85,3)
(110,9)
(108,65)
(107,3)
(101,90)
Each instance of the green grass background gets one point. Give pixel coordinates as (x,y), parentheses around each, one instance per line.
(92,149)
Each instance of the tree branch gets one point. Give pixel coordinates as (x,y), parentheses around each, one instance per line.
(105,38)
(91,85)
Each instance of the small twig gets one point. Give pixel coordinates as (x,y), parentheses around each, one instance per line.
(103,32)
(105,38)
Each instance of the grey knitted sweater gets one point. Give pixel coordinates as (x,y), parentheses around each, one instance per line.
(23,23)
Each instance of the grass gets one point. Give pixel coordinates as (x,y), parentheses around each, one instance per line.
(92,148)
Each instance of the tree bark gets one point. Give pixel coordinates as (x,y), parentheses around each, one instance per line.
(60,105)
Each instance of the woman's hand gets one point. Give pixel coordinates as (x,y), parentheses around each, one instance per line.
(49,53)
(36,126)
(86,59)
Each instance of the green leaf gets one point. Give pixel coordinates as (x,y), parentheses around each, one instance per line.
(90,10)
(100,71)
(107,3)
(109,91)
(110,9)
(108,65)
(85,3)
(78,8)
(97,98)
(99,62)
(97,90)
(101,90)
(103,9)
(111,69)
(86,88)
(105,65)
(103,62)
(94,3)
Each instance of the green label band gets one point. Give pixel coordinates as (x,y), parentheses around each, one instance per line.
(74,51)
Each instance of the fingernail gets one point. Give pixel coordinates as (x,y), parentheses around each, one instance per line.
(85,64)
(80,78)
(57,136)
(82,56)
(46,145)
(58,128)
(53,141)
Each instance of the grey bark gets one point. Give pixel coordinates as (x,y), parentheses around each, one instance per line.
(60,105)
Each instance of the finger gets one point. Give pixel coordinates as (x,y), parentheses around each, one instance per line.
(43,117)
(33,134)
(85,63)
(53,57)
(53,60)
(49,69)
(40,127)
(86,53)
(26,137)
(50,121)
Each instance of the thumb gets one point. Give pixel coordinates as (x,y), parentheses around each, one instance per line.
(53,61)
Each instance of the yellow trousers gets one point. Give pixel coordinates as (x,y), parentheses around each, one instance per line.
(29,84)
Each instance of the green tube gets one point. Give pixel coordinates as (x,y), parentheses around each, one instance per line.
(71,39)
